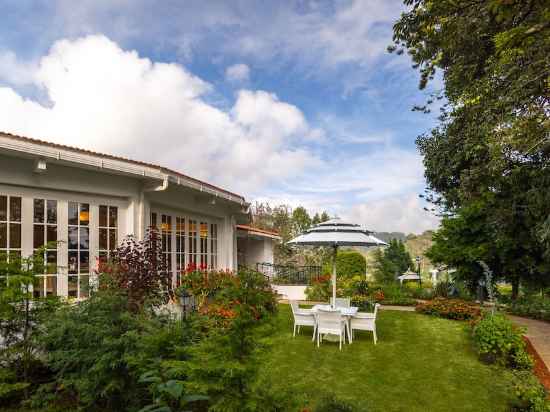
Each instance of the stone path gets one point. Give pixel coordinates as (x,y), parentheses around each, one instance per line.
(400,308)
(538,333)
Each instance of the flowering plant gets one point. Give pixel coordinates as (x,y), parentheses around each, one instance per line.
(449,308)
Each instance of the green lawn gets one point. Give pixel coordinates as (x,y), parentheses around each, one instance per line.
(421,363)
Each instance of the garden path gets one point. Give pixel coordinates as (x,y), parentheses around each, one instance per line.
(538,333)
(400,308)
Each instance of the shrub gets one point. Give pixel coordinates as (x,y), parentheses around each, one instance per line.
(449,308)
(348,263)
(498,340)
(534,307)
(224,363)
(21,319)
(137,269)
(442,289)
(417,291)
(530,392)
(364,303)
(330,403)
(356,285)
(98,350)
(319,290)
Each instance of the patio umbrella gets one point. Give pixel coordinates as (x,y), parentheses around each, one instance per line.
(336,233)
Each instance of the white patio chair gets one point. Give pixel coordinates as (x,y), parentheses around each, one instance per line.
(302,317)
(341,302)
(364,321)
(330,323)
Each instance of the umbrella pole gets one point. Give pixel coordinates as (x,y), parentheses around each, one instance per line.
(335,251)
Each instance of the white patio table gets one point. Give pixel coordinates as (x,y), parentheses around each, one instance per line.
(346,312)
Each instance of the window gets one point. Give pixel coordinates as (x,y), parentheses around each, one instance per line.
(192,242)
(153,220)
(166,236)
(45,235)
(213,246)
(108,231)
(180,248)
(204,245)
(79,249)
(10,227)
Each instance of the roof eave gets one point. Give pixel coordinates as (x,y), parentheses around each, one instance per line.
(107,163)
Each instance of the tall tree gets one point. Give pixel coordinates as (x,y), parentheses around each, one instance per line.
(301,220)
(492,145)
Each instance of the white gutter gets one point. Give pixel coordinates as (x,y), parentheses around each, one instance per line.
(45,152)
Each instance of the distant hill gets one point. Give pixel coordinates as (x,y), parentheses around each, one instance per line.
(417,246)
(387,236)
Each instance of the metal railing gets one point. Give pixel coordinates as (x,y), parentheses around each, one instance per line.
(289,274)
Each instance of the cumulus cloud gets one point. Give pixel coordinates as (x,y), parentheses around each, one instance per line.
(108,99)
(14,71)
(104,98)
(399,214)
(237,73)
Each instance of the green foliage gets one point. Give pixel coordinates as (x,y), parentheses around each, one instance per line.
(486,162)
(98,350)
(442,289)
(530,392)
(534,307)
(449,308)
(391,262)
(398,255)
(320,289)
(498,340)
(224,363)
(289,224)
(349,263)
(330,403)
(21,319)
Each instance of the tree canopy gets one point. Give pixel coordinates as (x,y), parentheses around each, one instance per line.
(487,160)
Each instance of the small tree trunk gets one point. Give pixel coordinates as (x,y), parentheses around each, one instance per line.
(515,288)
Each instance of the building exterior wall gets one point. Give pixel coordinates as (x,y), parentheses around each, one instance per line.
(255,250)
(134,201)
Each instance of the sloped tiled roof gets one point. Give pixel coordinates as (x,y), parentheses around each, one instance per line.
(117,158)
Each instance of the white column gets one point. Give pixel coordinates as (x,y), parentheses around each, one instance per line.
(93,225)
(27,210)
(62,238)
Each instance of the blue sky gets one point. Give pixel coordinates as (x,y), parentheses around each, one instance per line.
(287,102)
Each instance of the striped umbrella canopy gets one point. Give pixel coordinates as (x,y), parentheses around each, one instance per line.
(336,233)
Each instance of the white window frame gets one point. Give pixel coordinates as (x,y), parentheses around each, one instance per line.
(187,239)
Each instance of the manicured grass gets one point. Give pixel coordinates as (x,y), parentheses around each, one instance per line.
(421,363)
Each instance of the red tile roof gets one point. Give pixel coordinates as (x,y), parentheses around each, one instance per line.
(123,159)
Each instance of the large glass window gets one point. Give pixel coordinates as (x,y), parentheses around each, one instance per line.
(213,246)
(180,248)
(45,235)
(79,249)
(108,231)
(192,242)
(166,236)
(204,245)
(10,227)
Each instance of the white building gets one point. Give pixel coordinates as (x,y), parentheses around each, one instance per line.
(88,202)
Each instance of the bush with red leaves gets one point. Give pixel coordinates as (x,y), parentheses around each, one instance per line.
(137,269)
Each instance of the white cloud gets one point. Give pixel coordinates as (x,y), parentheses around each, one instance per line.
(15,72)
(107,99)
(237,73)
(394,214)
